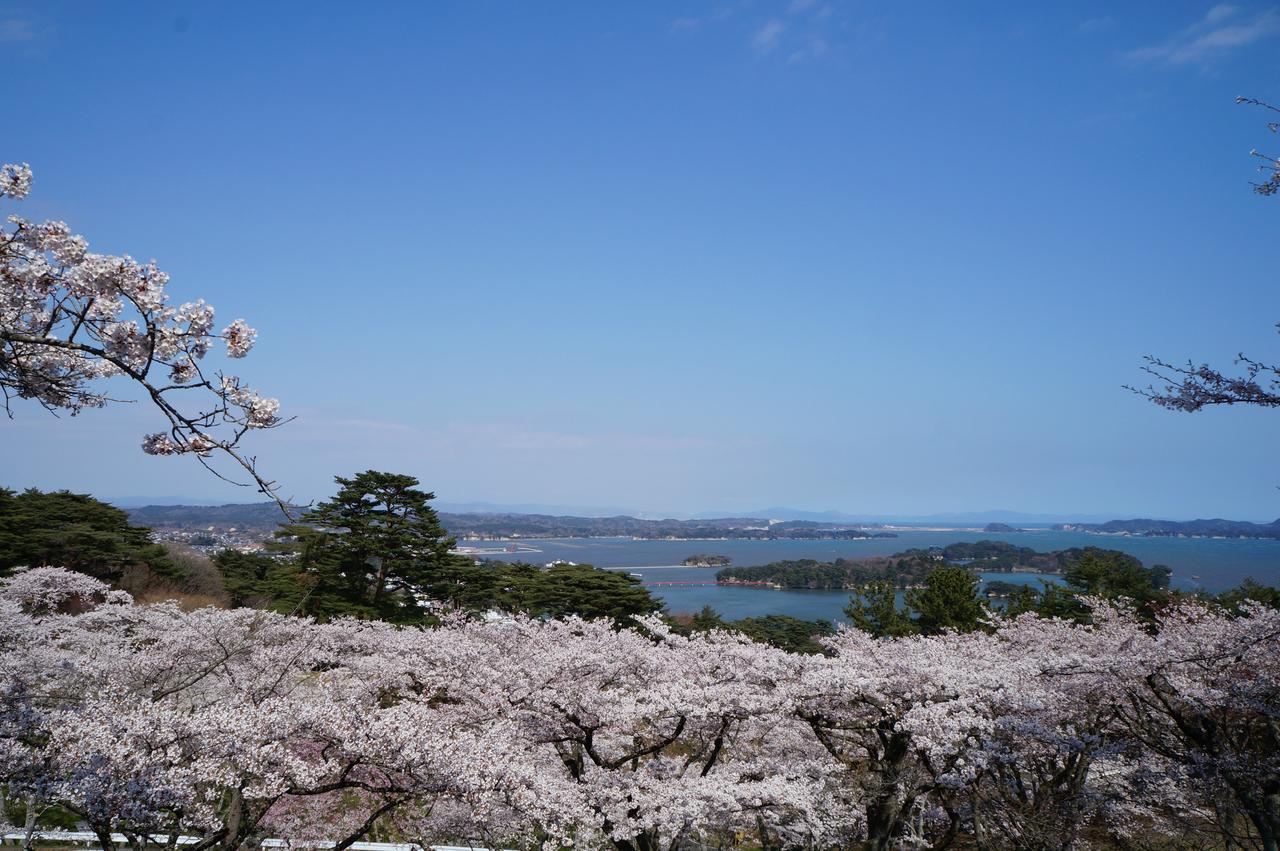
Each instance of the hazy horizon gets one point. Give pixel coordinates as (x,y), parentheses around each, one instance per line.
(775,512)
(891,261)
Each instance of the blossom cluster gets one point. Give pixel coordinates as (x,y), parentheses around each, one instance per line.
(70,318)
(510,732)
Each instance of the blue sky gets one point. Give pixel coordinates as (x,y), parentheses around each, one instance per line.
(891,258)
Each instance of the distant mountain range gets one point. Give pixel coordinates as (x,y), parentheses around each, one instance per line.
(127,502)
(1216,528)
(738,528)
(969,518)
(264,517)
(537,508)
(762,524)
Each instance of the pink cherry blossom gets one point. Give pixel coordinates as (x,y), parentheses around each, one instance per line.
(71,319)
(229,726)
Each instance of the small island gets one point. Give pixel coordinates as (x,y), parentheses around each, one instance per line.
(998,589)
(706,561)
(1002,528)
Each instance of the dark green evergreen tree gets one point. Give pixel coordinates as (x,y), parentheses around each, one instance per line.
(589,592)
(1249,591)
(78,532)
(785,632)
(263,582)
(1021,599)
(1058,601)
(948,600)
(555,592)
(874,608)
(1112,574)
(706,620)
(372,549)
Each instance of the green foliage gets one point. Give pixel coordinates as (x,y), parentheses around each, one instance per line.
(785,632)
(874,609)
(13,808)
(948,600)
(1000,588)
(1109,573)
(370,550)
(262,582)
(1095,572)
(947,595)
(901,570)
(377,550)
(705,620)
(705,560)
(1057,601)
(1249,591)
(555,592)
(384,521)
(782,631)
(334,584)
(491,585)
(910,567)
(1020,600)
(580,589)
(78,532)
(996,555)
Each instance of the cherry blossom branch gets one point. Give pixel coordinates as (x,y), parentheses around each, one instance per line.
(70,318)
(1189,387)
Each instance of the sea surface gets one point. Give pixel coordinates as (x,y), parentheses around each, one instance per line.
(1211,564)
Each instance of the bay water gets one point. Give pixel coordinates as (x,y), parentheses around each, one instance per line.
(1212,564)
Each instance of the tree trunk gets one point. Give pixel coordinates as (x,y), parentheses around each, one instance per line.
(380,578)
(29,825)
(104,837)
(884,810)
(1268,830)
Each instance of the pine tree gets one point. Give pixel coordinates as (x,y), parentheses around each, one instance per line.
(948,600)
(76,531)
(874,609)
(373,547)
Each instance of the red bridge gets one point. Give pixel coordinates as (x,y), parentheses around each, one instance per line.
(674,582)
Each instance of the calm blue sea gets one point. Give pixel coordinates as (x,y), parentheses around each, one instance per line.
(1196,563)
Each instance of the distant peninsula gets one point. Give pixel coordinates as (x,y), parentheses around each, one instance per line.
(263,518)
(473,526)
(1145,528)
(706,561)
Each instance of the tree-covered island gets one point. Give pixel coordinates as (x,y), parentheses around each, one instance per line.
(909,568)
(706,561)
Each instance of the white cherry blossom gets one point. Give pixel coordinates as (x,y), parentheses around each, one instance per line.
(71,318)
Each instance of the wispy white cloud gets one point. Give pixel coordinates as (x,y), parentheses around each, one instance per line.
(767,37)
(16,30)
(1097,25)
(1220,13)
(1223,29)
(801,33)
(813,47)
(785,30)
